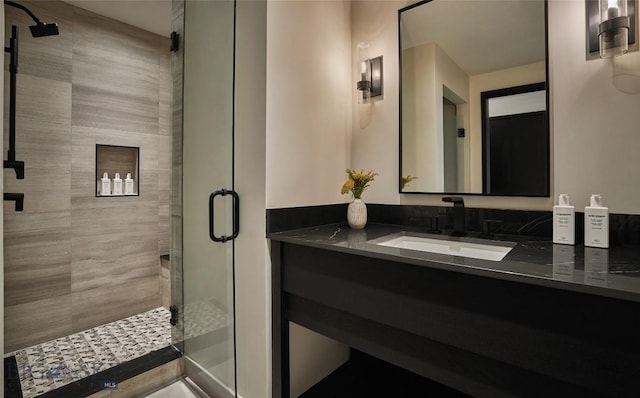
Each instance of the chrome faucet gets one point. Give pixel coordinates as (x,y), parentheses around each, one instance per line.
(458,214)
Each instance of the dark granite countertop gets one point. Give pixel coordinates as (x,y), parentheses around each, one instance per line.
(613,272)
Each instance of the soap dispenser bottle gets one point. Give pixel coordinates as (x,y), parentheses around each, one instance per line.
(128,185)
(105,185)
(596,224)
(564,221)
(117,185)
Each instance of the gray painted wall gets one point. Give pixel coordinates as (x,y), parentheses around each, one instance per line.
(74,261)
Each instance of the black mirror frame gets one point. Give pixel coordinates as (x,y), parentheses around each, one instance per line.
(547,87)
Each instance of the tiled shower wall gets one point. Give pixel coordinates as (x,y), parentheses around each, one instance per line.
(74,261)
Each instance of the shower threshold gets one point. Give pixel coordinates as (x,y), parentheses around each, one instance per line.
(92,360)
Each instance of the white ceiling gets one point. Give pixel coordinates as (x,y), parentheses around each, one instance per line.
(472,31)
(151,15)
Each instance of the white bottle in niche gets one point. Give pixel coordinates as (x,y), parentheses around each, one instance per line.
(564,221)
(105,185)
(596,224)
(128,185)
(117,185)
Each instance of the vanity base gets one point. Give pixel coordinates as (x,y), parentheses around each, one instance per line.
(482,336)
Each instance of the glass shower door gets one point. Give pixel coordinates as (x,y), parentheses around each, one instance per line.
(204,208)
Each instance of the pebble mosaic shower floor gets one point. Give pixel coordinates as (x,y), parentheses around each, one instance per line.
(47,366)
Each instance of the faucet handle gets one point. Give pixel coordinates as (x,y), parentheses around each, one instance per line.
(486,227)
(434,225)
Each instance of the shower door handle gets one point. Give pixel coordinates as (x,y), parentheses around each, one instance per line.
(236,215)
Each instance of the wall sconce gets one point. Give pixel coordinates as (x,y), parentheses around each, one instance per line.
(370,84)
(612,30)
(611,27)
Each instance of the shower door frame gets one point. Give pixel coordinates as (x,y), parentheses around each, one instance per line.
(194,370)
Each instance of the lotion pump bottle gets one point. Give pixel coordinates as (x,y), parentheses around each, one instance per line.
(105,186)
(564,221)
(596,224)
(128,185)
(117,185)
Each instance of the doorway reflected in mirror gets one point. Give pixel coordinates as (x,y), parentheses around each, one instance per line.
(450,53)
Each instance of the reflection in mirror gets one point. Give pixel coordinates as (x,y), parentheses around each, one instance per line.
(515,144)
(451,53)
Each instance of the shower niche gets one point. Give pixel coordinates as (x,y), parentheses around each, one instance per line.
(117,171)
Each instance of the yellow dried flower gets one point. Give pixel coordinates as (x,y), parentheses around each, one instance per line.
(405,180)
(347,186)
(357,182)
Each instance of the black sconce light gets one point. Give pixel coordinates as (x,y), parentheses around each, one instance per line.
(611,27)
(370,84)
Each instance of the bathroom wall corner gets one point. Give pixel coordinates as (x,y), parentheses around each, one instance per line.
(308,102)
(253,315)
(308,127)
(374,143)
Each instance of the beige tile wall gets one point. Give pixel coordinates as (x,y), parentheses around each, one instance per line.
(74,261)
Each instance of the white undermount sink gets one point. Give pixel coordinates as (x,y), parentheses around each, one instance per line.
(473,248)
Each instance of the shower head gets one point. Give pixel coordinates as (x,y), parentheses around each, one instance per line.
(40,29)
(44,29)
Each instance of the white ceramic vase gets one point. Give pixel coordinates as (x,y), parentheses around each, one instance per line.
(357,214)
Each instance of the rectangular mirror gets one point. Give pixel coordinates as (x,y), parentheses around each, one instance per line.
(474,98)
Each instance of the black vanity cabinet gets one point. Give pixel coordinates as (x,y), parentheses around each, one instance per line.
(483,336)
